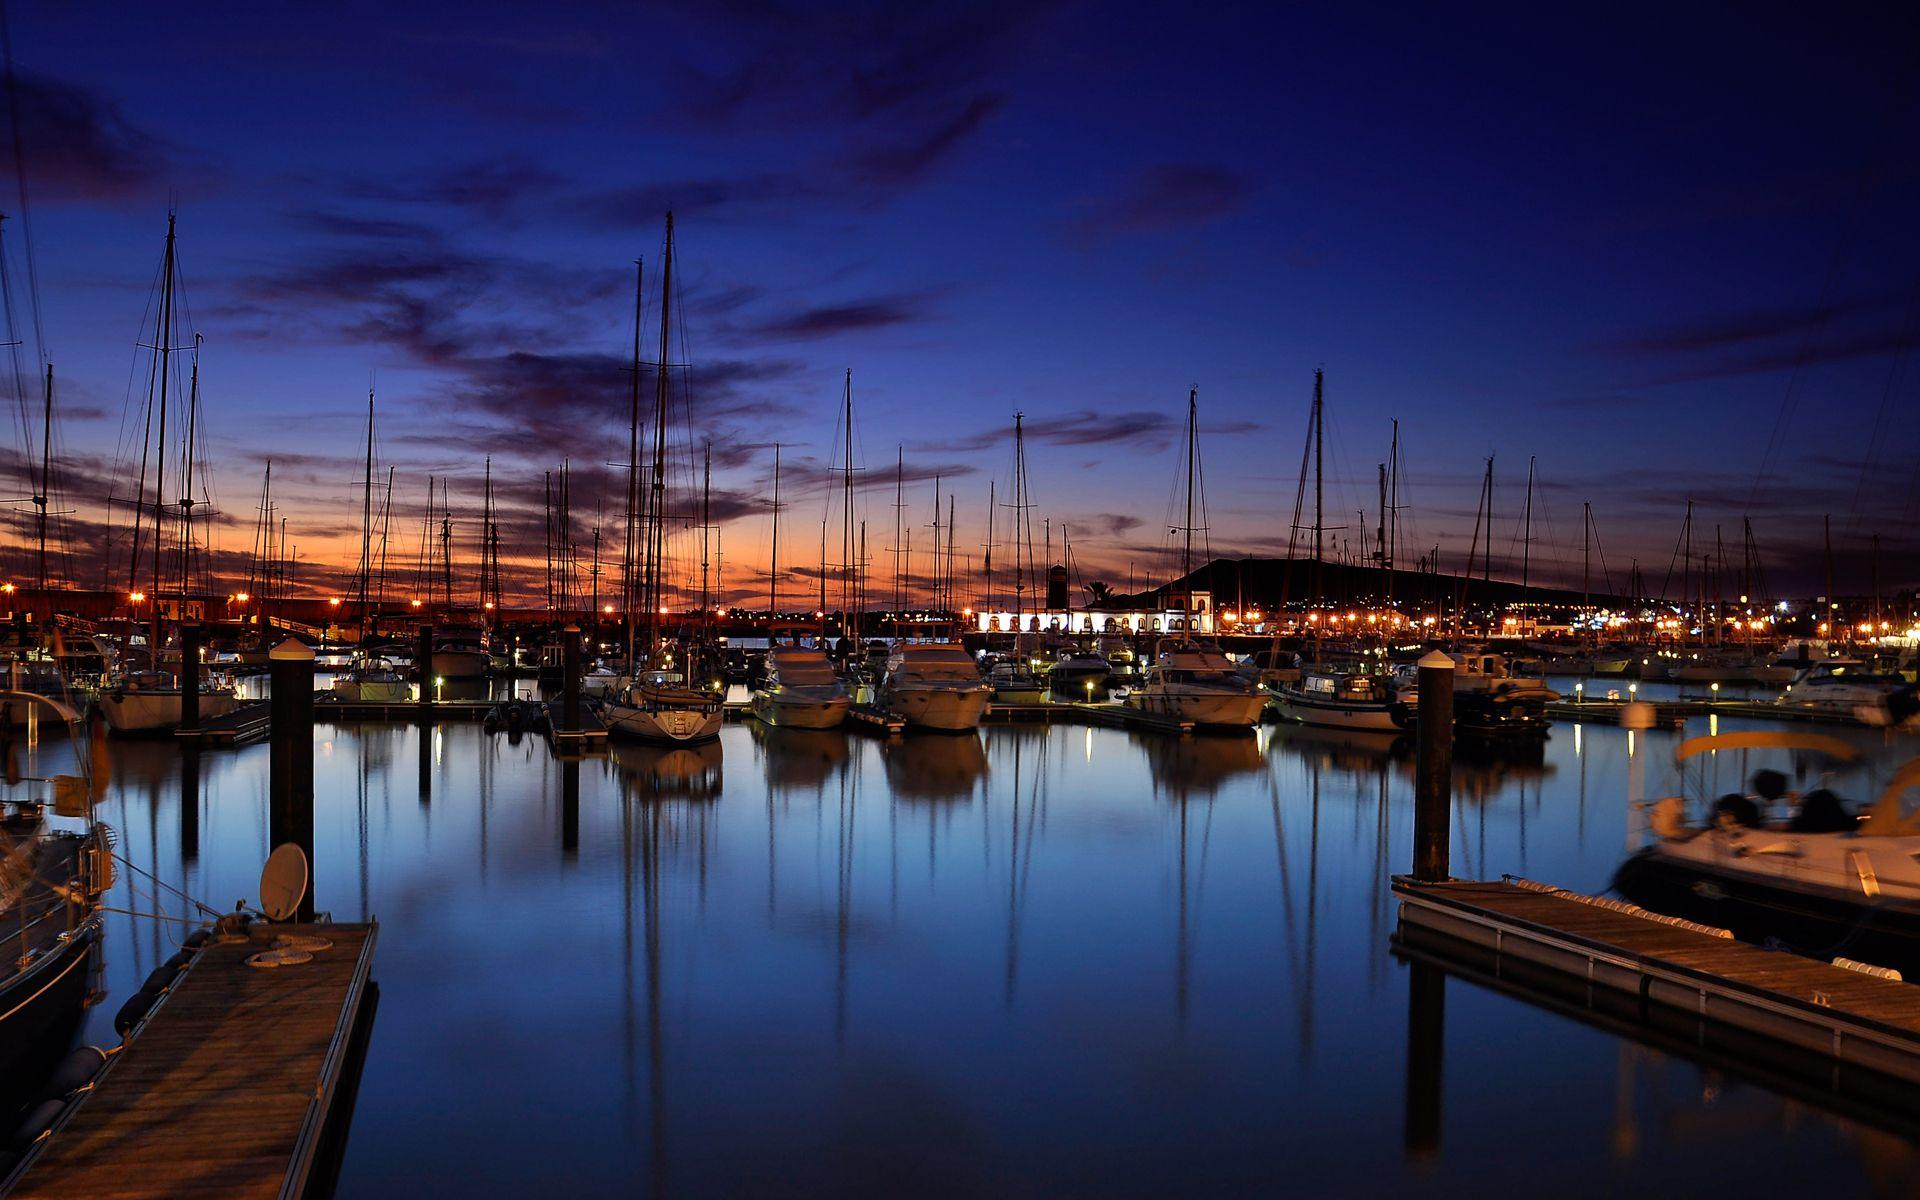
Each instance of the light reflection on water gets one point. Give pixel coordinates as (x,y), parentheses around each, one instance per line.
(1042,960)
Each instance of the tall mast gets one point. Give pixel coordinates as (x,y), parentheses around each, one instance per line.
(899,506)
(1586,555)
(847,590)
(186,476)
(163,340)
(1526,534)
(1393,508)
(46,487)
(366,523)
(630,555)
(706,525)
(992,498)
(1319,494)
(1833,604)
(1186,550)
(446,542)
(657,484)
(386,527)
(773,557)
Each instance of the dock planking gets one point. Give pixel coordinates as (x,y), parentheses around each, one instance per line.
(228,1088)
(1814,1006)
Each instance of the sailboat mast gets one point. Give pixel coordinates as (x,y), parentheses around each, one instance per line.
(899,508)
(657,485)
(163,346)
(1526,531)
(773,557)
(629,554)
(46,488)
(386,527)
(366,522)
(706,526)
(847,621)
(992,499)
(1186,550)
(1319,494)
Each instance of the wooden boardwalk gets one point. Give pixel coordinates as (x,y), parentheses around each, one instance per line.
(1848,1015)
(247,723)
(229,1086)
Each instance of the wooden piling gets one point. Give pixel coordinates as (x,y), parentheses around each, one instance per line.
(291,764)
(1433,775)
(423,667)
(570,689)
(189,677)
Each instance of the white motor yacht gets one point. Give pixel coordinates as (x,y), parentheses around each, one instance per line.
(1188,682)
(934,685)
(801,691)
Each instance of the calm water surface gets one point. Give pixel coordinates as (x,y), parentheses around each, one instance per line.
(1036,962)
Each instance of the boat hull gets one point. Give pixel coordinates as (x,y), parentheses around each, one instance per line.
(40,1011)
(1383,718)
(942,710)
(1885,933)
(793,713)
(460,664)
(661,726)
(158,711)
(1211,710)
(373,691)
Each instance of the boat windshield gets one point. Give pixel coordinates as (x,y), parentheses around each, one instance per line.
(943,663)
(804,672)
(1203,678)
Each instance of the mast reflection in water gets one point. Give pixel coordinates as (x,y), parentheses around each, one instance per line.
(1031,960)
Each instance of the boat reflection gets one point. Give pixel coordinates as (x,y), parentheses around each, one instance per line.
(667,772)
(1198,765)
(1348,751)
(801,759)
(935,768)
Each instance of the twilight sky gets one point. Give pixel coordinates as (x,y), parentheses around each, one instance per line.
(1673,256)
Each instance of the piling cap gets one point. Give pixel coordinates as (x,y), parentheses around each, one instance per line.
(1437,660)
(291,650)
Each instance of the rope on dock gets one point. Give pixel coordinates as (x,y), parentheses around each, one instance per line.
(1612,905)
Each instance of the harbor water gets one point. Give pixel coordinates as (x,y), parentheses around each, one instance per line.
(1036,961)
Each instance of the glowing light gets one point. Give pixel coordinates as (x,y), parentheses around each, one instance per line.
(488,606)
(136,597)
(242,597)
(334,601)
(416,604)
(607,608)
(7,588)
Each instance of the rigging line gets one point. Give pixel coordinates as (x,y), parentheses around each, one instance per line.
(1894,371)
(20,180)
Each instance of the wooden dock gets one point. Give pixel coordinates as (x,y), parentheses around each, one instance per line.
(1671,714)
(592,730)
(1126,716)
(239,1083)
(862,716)
(248,723)
(1852,1018)
(326,708)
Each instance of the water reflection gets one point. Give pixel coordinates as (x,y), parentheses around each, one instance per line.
(1042,960)
(668,772)
(943,766)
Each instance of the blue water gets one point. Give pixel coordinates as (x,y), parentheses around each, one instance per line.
(1037,962)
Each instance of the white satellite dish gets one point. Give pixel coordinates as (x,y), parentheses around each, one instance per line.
(283,882)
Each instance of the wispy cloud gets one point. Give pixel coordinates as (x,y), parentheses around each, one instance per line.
(1168,196)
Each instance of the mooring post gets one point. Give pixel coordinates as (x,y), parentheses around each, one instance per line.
(1433,776)
(190,803)
(189,677)
(291,766)
(570,809)
(570,693)
(423,666)
(1426,1034)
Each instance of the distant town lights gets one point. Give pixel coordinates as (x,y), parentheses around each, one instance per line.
(333,602)
(416,604)
(136,597)
(605,608)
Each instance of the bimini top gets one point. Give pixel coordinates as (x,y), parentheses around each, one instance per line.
(1819,743)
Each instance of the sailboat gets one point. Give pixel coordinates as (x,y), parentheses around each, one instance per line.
(1334,697)
(1013,678)
(368,677)
(1189,682)
(143,697)
(656,705)
(53,870)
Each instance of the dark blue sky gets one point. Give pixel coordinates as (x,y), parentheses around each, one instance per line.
(1669,252)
